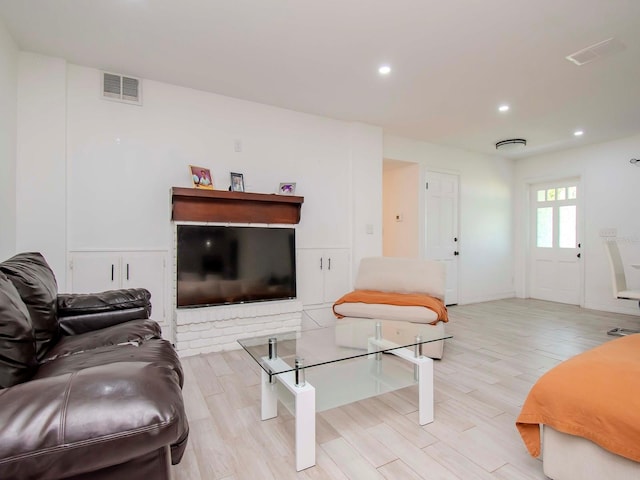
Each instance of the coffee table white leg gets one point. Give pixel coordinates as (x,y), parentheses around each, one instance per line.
(269,397)
(425,389)
(424,374)
(305,408)
(305,426)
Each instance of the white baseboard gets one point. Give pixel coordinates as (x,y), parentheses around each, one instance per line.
(487,297)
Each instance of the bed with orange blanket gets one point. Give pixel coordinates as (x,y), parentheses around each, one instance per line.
(588,409)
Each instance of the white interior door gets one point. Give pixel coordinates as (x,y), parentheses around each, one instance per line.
(441,227)
(556,270)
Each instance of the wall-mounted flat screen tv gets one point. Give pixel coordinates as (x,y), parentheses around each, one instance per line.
(220,265)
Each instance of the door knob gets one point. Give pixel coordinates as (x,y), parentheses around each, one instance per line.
(456,253)
(578,255)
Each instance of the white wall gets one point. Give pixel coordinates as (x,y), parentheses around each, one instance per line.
(400,197)
(122,160)
(8,128)
(486,214)
(41,160)
(366,192)
(610,186)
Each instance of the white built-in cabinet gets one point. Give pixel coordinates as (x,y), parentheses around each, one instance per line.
(97,271)
(323,275)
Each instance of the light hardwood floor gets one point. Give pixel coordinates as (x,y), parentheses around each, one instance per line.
(498,351)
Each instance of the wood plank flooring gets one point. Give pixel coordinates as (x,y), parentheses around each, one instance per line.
(498,351)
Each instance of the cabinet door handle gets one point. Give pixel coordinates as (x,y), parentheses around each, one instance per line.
(329,268)
(320,263)
(127,271)
(112,271)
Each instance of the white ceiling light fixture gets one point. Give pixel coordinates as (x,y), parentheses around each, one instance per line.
(511,144)
(384,70)
(503,108)
(578,133)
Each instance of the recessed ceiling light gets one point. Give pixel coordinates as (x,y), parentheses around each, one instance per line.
(578,133)
(503,108)
(384,70)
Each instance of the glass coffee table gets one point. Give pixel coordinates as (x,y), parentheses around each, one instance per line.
(315,369)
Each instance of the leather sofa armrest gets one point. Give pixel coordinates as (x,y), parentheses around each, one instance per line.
(67,425)
(80,313)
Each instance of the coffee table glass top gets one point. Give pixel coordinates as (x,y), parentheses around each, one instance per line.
(345,339)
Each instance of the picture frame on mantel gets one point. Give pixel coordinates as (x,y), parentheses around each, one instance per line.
(201,177)
(237,182)
(287,188)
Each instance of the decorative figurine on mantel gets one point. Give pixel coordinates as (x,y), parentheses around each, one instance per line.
(287,188)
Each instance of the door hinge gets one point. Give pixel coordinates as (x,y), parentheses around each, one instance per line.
(427,186)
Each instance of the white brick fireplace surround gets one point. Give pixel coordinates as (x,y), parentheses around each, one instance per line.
(217,328)
(214,329)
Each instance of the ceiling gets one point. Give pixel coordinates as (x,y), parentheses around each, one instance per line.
(453,62)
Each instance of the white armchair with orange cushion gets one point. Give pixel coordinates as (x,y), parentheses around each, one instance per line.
(407,289)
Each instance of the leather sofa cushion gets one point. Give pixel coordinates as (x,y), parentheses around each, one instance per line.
(156,351)
(134,331)
(36,283)
(17,343)
(81,422)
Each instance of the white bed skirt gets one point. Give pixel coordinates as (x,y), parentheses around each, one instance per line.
(568,457)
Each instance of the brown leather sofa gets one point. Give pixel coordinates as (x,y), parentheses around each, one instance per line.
(88,388)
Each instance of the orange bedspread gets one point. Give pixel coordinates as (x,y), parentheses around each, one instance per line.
(595,395)
(399,299)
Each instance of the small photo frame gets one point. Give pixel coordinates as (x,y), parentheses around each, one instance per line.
(287,188)
(201,177)
(237,182)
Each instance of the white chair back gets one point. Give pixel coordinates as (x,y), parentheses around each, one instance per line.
(618,279)
(402,275)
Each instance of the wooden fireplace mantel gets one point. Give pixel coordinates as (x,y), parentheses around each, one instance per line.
(189,204)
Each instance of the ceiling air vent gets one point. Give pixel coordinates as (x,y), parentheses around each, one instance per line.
(121,89)
(597,50)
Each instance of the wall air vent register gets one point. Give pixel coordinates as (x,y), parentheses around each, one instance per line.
(121,88)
